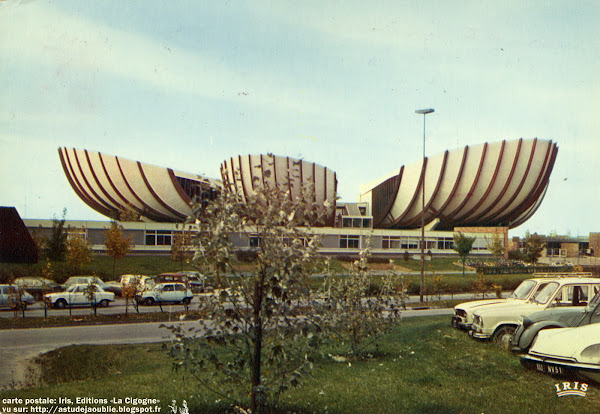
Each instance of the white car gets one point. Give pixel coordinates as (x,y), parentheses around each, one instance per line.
(9,297)
(144,283)
(566,352)
(76,295)
(463,312)
(166,293)
(500,321)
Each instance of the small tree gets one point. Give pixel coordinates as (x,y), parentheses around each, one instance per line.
(480,284)
(181,249)
(358,319)
(533,246)
(261,319)
(90,294)
(463,246)
(438,286)
(56,246)
(496,247)
(79,253)
(117,245)
(129,292)
(15,298)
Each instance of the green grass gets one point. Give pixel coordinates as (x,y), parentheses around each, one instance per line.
(100,319)
(435,264)
(424,366)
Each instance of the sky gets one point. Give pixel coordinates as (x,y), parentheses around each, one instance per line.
(188,84)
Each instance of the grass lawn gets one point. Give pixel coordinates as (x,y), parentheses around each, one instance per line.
(424,366)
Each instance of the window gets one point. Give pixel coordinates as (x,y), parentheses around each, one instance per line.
(254,240)
(445,243)
(349,242)
(409,243)
(356,222)
(159,237)
(390,242)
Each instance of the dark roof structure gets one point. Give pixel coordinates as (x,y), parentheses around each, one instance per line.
(16,244)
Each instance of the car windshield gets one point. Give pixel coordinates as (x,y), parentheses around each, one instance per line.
(523,290)
(544,295)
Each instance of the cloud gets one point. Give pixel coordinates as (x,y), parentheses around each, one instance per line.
(70,45)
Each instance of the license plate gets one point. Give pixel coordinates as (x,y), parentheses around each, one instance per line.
(549,369)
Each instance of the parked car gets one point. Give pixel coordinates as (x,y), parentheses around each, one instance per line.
(117,286)
(566,352)
(166,293)
(559,317)
(76,295)
(86,280)
(37,286)
(499,322)
(9,297)
(463,312)
(194,280)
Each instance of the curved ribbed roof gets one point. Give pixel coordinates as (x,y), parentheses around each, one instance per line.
(243,174)
(497,184)
(112,185)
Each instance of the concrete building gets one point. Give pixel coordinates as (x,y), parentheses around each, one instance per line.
(480,191)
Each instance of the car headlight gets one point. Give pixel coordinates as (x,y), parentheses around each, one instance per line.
(592,353)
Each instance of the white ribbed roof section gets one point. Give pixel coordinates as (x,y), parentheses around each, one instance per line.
(497,184)
(112,186)
(245,173)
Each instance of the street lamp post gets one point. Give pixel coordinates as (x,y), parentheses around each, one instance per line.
(421,290)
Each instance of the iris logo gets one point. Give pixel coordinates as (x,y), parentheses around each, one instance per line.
(577,389)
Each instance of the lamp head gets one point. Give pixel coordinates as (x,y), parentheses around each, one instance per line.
(425,111)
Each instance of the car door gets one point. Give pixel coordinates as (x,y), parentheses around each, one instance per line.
(167,293)
(180,291)
(3,295)
(78,295)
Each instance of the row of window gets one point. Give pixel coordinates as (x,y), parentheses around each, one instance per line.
(357,222)
(348,241)
(407,243)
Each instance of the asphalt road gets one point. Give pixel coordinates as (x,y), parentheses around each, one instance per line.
(19,346)
(118,307)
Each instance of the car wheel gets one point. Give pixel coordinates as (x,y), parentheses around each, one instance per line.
(104,303)
(149,301)
(186,301)
(504,336)
(60,304)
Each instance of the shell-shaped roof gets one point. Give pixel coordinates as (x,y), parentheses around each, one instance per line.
(112,185)
(497,184)
(243,174)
